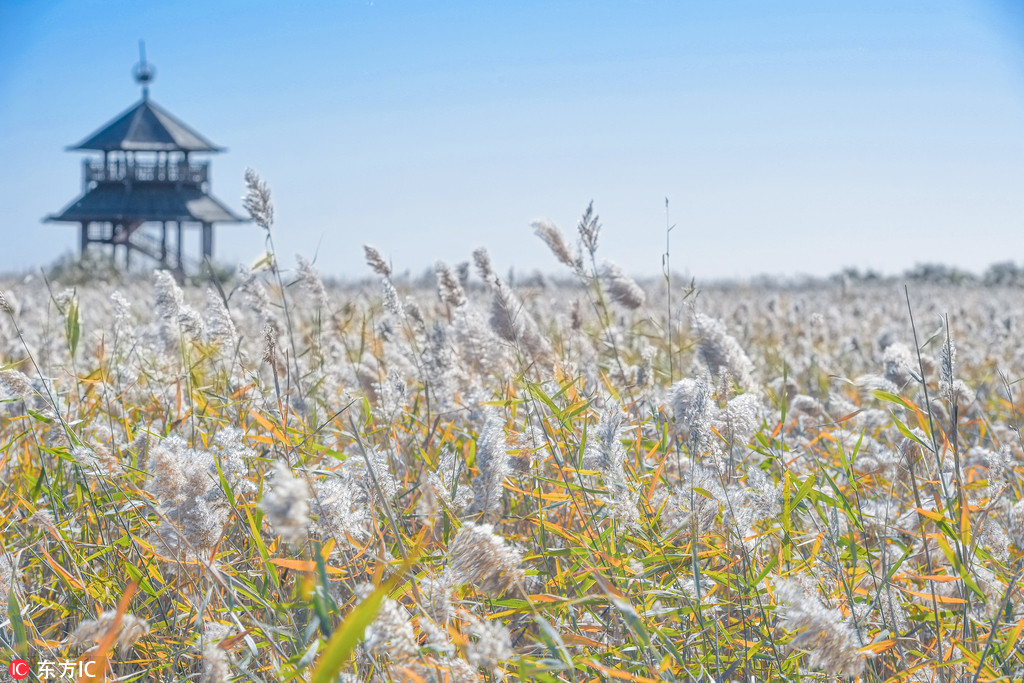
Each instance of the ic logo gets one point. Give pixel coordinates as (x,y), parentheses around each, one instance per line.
(18,669)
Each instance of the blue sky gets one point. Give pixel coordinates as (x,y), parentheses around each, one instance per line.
(790,137)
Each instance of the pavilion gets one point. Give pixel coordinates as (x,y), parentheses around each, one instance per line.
(147,188)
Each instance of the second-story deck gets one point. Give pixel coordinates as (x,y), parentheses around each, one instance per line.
(121,171)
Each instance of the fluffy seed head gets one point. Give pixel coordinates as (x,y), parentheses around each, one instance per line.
(216,666)
(480,557)
(286,505)
(492,461)
(257,200)
(483,265)
(448,286)
(722,353)
(831,642)
(8,572)
(168,297)
(621,287)
(552,236)
(589,227)
(91,631)
(219,328)
(311,279)
(391,632)
(490,642)
(14,383)
(376,261)
(947,366)
(122,308)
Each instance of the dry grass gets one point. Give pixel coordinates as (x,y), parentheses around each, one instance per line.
(533,497)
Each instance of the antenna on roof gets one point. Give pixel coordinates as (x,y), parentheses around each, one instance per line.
(143,72)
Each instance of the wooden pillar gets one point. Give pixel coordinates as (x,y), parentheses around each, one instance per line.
(163,244)
(128,253)
(83,239)
(207,241)
(178,262)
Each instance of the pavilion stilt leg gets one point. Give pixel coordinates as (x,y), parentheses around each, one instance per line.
(207,242)
(163,244)
(180,266)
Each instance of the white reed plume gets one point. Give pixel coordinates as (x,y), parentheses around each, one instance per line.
(604,452)
(168,297)
(445,479)
(391,301)
(894,617)
(483,265)
(437,598)
(760,501)
(270,344)
(377,475)
(511,321)
(692,407)
(231,452)
(192,324)
(448,286)
(342,508)
(482,558)
(461,671)
(311,280)
(220,329)
(92,631)
(489,644)
(552,236)
(216,667)
(948,361)
(255,293)
(376,261)
(8,572)
(257,200)
(1015,519)
(122,308)
(391,633)
(589,228)
(492,461)
(740,419)
(899,364)
(192,505)
(829,639)
(286,504)
(216,664)
(621,287)
(950,387)
(722,353)
(14,384)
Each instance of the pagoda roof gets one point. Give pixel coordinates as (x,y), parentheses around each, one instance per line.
(114,202)
(147,127)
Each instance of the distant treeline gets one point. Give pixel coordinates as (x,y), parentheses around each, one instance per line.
(70,269)
(1006,273)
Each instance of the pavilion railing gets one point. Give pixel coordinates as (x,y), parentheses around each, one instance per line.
(143,172)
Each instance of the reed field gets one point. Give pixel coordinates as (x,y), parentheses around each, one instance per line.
(474,478)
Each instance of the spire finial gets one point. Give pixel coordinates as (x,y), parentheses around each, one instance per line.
(144,73)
